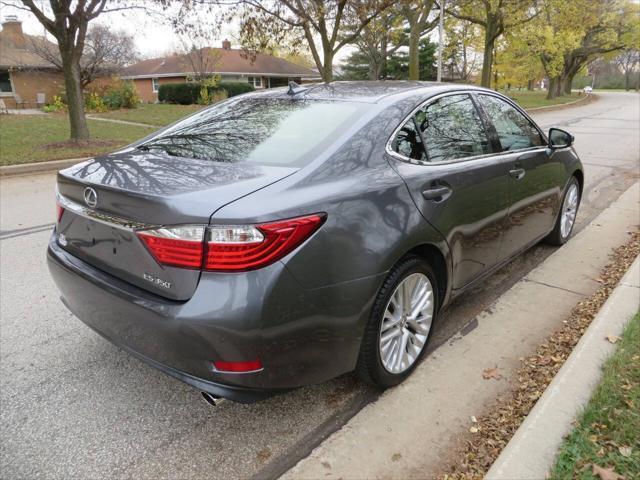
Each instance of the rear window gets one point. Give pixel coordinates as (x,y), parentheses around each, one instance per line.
(270,131)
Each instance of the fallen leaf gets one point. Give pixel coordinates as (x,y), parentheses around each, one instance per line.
(474,419)
(396,457)
(490,373)
(612,338)
(473,429)
(625,451)
(605,473)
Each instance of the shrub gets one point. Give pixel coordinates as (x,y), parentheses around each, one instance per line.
(93,103)
(236,88)
(190,93)
(121,94)
(58,105)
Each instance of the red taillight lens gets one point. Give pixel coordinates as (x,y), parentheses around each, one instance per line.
(238,248)
(237,367)
(177,247)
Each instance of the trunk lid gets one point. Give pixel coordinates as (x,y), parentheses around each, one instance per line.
(141,189)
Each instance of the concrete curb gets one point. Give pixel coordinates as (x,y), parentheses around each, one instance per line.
(532,451)
(550,108)
(38,167)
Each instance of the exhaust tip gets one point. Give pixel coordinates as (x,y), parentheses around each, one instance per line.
(212,399)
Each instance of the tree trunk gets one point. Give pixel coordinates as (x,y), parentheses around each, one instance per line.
(327,67)
(487,58)
(559,84)
(414,51)
(626,80)
(552,89)
(568,80)
(75,100)
(530,84)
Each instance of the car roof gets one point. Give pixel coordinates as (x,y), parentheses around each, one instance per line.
(367,91)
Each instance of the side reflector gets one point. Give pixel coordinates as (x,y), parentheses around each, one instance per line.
(237,367)
(241,248)
(59,212)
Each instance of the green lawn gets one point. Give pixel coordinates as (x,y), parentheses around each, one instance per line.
(37,138)
(538,98)
(152,114)
(608,432)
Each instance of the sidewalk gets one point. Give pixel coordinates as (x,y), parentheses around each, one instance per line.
(532,451)
(412,428)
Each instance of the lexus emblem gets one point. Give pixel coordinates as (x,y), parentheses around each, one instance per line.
(90,197)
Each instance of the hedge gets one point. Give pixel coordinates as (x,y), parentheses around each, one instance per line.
(188,93)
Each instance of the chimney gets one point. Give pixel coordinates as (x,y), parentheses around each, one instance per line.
(12,30)
(226,44)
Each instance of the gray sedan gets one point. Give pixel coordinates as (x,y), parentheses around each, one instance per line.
(283,238)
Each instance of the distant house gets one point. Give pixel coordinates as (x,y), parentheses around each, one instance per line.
(26,80)
(263,71)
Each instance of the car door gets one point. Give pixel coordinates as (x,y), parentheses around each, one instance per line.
(533,174)
(444,154)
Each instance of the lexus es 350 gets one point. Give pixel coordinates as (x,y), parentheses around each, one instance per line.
(283,238)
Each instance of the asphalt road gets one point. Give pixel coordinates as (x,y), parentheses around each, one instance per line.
(74,406)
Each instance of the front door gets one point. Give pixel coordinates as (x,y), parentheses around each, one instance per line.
(533,191)
(443,153)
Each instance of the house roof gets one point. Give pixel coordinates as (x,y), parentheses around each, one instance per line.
(230,61)
(19,54)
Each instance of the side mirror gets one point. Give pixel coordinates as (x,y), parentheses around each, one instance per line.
(559,138)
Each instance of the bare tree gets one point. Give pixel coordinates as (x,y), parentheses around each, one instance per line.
(106,52)
(200,60)
(68,22)
(417,12)
(628,62)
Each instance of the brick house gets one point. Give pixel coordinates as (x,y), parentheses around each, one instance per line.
(24,76)
(265,71)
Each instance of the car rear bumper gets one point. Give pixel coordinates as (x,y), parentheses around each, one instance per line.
(301,336)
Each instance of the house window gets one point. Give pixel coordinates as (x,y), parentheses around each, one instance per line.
(255,81)
(154,85)
(5,82)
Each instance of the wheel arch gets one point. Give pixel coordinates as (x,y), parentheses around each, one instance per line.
(579,174)
(438,261)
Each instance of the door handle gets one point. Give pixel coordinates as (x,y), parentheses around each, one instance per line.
(437,194)
(517,173)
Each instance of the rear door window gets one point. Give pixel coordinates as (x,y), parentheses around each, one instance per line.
(452,129)
(514,130)
(408,142)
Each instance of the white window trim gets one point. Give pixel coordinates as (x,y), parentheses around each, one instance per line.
(155,85)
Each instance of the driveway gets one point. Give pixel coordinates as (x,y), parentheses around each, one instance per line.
(74,406)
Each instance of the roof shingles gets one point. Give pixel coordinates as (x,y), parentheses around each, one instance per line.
(227,61)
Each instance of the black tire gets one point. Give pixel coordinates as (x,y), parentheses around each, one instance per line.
(370,368)
(556,237)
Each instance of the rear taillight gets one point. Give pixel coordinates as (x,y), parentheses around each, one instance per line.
(175,246)
(229,247)
(238,248)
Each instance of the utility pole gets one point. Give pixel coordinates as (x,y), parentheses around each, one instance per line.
(440,39)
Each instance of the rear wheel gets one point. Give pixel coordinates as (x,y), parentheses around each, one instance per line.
(399,328)
(567,215)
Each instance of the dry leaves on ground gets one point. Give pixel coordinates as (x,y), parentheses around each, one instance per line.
(495,428)
(606,473)
(490,373)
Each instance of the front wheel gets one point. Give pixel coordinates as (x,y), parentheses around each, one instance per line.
(567,215)
(398,330)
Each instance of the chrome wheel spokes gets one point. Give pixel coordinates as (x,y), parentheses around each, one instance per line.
(406,323)
(569,210)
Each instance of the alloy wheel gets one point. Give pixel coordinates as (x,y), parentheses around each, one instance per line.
(406,323)
(569,210)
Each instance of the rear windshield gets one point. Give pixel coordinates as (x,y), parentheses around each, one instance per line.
(270,131)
